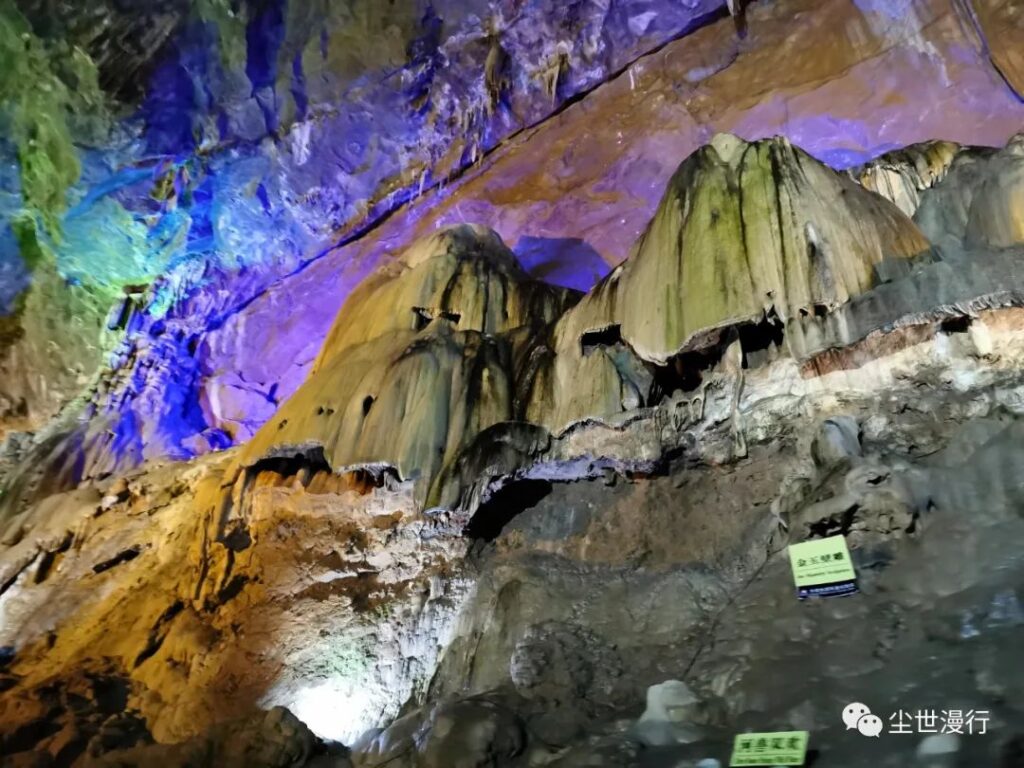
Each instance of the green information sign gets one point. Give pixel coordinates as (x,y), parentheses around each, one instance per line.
(784,748)
(822,567)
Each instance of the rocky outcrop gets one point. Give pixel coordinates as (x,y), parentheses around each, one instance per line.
(231,221)
(902,176)
(746,234)
(197,630)
(980,206)
(604,588)
(333,467)
(417,365)
(421,554)
(268,134)
(744,231)
(276,739)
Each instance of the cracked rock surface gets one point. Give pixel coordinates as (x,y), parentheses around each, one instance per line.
(170,308)
(427,563)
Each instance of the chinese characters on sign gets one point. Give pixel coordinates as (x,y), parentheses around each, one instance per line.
(822,568)
(784,748)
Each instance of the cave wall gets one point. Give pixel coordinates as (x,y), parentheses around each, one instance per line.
(235,142)
(230,206)
(493,515)
(330,443)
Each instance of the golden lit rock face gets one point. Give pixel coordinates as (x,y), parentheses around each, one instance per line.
(463,275)
(416,365)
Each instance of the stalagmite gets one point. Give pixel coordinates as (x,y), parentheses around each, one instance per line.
(300,467)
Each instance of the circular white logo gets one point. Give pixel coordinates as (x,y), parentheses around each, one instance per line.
(857,716)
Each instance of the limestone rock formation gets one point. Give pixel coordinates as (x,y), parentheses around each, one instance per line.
(902,176)
(745,230)
(354,129)
(277,738)
(312,122)
(982,203)
(418,364)
(494,521)
(746,233)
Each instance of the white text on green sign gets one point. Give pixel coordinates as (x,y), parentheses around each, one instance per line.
(782,748)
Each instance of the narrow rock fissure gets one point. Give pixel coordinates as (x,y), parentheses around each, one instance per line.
(124,556)
(158,633)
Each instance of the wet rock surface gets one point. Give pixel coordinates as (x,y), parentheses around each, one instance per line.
(933,570)
(251,197)
(561,544)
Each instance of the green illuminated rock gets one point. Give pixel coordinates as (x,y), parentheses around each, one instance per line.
(744,232)
(46,86)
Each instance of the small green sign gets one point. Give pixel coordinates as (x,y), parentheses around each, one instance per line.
(784,748)
(822,567)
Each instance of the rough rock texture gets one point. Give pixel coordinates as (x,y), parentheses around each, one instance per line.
(235,224)
(467,518)
(277,738)
(196,140)
(417,365)
(684,574)
(981,203)
(467,583)
(746,230)
(199,629)
(1002,25)
(902,176)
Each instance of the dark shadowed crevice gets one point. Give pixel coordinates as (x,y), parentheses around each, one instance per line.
(421,318)
(503,506)
(602,337)
(30,734)
(124,556)
(159,632)
(313,472)
(288,466)
(682,373)
(686,371)
(232,589)
(953,325)
(759,340)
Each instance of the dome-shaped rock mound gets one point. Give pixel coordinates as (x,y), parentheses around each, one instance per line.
(418,363)
(747,228)
(746,231)
(464,275)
